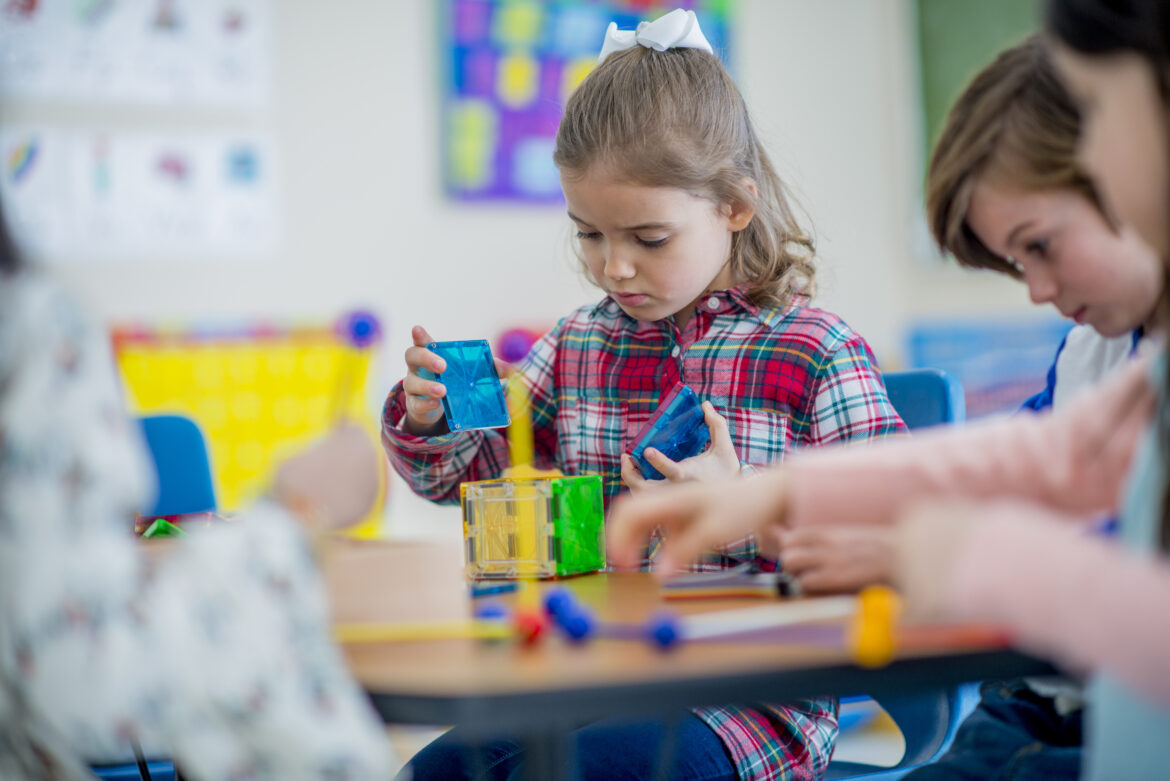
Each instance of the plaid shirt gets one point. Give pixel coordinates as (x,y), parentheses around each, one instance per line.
(784,378)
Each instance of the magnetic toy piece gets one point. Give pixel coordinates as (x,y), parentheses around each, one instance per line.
(677,430)
(475,398)
(533,527)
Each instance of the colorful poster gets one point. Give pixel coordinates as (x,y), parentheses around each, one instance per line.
(146,52)
(509,67)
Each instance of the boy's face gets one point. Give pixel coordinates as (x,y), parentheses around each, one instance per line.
(656,250)
(1124,143)
(1070,256)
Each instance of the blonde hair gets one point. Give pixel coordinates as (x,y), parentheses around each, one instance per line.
(676,119)
(1016,124)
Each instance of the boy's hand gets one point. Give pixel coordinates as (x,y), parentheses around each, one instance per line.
(716,462)
(333,483)
(424,410)
(838,558)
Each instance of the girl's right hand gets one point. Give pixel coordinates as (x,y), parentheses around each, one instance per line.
(424,410)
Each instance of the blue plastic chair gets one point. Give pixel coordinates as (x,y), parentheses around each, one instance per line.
(928,721)
(184,486)
(184,469)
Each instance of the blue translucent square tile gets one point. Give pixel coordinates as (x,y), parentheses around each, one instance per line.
(475,398)
(677,430)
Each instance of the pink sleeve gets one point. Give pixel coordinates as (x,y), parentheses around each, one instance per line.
(1092,605)
(1073,460)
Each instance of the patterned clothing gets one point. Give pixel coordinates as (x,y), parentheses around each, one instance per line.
(783,378)
(220,657)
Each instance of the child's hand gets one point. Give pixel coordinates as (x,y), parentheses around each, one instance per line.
(333,483)
(424,410)
(926,546)
(717,462)
(838,558)
(697,517)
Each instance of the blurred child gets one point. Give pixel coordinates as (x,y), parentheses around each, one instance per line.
(221,656)
(684,224)
(1074,597)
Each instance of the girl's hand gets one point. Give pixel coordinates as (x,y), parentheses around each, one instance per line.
(697,517)
(717,462)
(333,483)
(424,410)
(926,547)
(838,558)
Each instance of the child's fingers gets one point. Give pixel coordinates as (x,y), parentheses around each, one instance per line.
(503,368)
(632,475)
(420,387)
(717,427)
(421,358)
(635,516)
(669,469)
(420,336)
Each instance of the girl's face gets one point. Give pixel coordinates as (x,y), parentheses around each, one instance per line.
(656,250)
(1070,256)
(1124,143)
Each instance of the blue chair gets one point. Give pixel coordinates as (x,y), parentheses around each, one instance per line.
(184,469)
(184,486)
(928,721)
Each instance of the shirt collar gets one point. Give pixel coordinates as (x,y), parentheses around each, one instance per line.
(717,302)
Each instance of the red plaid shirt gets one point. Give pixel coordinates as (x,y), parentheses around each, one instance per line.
(783,378)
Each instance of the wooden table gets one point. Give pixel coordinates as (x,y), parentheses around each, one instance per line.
(539,694)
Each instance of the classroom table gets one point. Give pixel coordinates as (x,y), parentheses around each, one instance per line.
(540,693)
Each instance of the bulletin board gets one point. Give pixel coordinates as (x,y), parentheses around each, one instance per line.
(508,67)
(956,38)
(260,392)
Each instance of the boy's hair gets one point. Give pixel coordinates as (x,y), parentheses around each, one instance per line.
(676,119)
(1014,124)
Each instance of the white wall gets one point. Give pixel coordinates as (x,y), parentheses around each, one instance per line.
(364,221)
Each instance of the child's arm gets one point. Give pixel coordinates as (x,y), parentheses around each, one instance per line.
(1073,460)
(1091,606)
(434,461)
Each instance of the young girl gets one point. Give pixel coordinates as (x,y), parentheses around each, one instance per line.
(685,226)
(221,656)
(1091,606)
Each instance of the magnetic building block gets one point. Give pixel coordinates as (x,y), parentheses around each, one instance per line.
(533,527)
(475,398)
(677,430)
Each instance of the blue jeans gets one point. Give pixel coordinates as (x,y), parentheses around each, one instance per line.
(607,749)
(1014,734)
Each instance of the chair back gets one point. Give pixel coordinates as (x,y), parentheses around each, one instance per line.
(182,463)
(926,397)
(928,719)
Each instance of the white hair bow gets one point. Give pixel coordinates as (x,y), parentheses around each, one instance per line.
(678,28)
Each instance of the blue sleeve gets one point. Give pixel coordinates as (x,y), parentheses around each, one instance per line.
(1043,399)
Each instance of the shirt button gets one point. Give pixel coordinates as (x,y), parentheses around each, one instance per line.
(675,351)
(713,302)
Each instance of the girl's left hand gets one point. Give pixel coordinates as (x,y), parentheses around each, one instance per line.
(717,462)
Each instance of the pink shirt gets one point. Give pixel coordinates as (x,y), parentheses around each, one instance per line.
(1061,470)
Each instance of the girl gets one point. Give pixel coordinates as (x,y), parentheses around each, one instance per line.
(222,656)
(685,226)
(1082,608)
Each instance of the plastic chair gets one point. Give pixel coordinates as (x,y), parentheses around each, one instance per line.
(928,721)
(184,470)
(184,486)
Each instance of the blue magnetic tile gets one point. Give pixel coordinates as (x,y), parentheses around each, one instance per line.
(475,398)
(677,430)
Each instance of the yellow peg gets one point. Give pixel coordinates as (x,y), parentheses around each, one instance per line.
(520,444)
(874,625)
